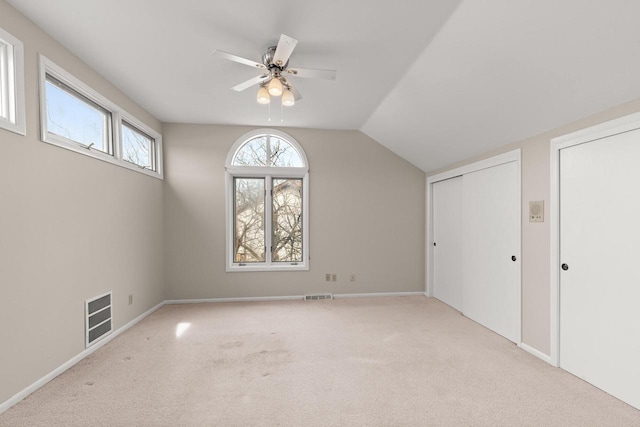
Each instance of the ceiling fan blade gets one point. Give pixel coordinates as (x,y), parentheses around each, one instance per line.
(296,94)
(239,59)
(251,82)
(284,49)
(312,73)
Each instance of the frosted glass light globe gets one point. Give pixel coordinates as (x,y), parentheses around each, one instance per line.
(275,87)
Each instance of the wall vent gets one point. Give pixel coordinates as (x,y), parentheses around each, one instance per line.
(98,322)
(317,297)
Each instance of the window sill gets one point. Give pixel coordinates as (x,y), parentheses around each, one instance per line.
(18,128)
(96,154)
(235,268)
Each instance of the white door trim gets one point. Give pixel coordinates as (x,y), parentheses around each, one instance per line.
(603,130)
(500,159)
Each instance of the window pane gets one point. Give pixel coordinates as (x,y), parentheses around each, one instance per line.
(284,154)
(4,81)
(249,220)
(7,82)
(137,147)
(74,117)
(287,220)
(252,153)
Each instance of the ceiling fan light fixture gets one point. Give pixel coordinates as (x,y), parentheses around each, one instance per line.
(273,80)
(288,100)
(263,95)
(275,87)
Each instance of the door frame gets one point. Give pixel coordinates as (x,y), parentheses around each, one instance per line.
(509,156)
(583,136)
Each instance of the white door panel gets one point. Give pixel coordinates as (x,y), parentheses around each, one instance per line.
(600,243)
(491,228)
(447,236)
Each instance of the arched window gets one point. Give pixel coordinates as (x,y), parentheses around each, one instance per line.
(267,203)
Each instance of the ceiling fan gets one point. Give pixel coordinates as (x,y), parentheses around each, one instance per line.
(275,65)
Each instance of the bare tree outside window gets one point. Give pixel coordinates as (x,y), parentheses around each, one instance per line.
(137,147)
(287,220)
(284,154)
(249,225)
(76,118)
(268,176)
(268,151)
(253,153)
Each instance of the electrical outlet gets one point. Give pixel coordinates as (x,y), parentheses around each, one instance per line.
(130,299)
(327,277)
(353,277)
(334,277)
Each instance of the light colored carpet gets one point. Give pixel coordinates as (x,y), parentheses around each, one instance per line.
(403,361)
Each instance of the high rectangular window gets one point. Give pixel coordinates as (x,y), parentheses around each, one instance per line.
(138,147)
(6,78)
(12,109)
(76,117)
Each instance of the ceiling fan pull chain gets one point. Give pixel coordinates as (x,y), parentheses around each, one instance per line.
(281,112)
(269,111)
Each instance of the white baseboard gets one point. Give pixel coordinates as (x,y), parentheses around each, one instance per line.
(379,294)
(289,297)
(59,370)
(233,299)
(537,353)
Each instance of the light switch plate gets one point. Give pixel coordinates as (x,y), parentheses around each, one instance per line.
(536,211)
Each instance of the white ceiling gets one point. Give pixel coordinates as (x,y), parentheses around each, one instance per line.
(501,71)
(435,81)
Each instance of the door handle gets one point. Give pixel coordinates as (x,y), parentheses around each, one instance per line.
(513,258)
(565,267)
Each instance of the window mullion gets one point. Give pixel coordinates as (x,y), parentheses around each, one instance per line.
(268,219)
(268,160)
(114,124)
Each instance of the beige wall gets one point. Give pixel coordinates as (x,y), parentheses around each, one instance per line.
(536,236)
(71,227)
(366,209)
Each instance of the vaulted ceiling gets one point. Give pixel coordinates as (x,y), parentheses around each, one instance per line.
(435,81)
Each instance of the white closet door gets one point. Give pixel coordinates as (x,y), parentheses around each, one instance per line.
(491,227)
(600,245)
(447,237)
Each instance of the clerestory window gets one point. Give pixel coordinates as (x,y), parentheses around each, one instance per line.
(267,203)
(12,106)
(76,117)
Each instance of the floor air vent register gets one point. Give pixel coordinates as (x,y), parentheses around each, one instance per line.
(98,322)
(317,297)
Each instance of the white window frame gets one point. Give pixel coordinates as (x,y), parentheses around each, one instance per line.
(157,146)
(268,173)
(118,115)
(14,84)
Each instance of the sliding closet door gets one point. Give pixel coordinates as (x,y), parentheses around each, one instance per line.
(447,241)
(491,253)
(599,252)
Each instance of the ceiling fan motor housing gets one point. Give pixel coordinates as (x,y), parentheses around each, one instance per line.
(267,60)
